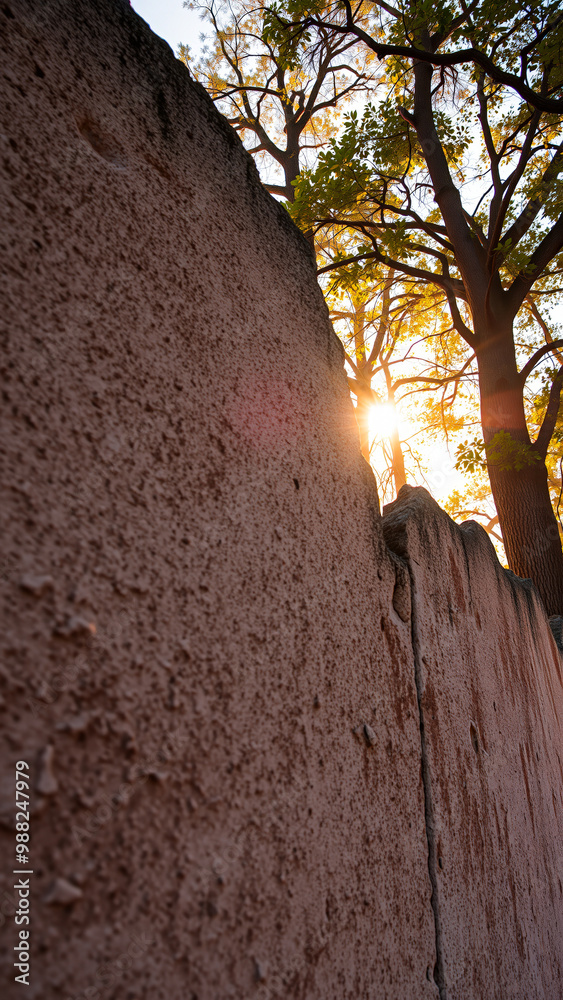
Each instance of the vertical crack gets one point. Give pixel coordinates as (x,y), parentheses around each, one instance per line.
(439,977)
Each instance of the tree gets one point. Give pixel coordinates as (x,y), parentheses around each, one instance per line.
(515,45)
(398,346)
(293,111)
(455,181)
(475,500)
(255,87)
(281,111)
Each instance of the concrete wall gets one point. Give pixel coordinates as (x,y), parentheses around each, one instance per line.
(278,746)
(489,683)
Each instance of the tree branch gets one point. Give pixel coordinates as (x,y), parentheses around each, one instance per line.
(520,227)
(536,358)
(549,247)
(552,105)
(542,323)
(413,272)
(541,444)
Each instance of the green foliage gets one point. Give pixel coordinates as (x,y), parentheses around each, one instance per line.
(499,29)
(503,451)
(470,455)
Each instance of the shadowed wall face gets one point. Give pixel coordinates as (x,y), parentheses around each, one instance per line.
(248,721)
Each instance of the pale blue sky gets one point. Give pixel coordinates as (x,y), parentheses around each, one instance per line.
(170,20)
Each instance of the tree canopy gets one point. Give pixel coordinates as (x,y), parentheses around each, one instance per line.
(515,45)
(284,113)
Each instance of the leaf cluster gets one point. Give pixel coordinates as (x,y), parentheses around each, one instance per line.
(503,451)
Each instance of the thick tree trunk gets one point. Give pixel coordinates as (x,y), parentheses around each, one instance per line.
(528,524)
(527,521)
(529,530)
(291,166)
(291,169)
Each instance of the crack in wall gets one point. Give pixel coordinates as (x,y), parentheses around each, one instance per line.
(439,977)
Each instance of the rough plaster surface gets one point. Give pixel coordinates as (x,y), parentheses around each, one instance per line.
(490,687)
(208,652)
(181,471)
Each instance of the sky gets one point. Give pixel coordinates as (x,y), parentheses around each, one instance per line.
(170,20)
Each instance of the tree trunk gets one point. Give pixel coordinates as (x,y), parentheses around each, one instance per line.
(291,165)
(529,530)
(292,169)
(364,404)
(527,521)
(399,474)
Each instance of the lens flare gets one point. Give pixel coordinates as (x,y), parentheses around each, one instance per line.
(382,421)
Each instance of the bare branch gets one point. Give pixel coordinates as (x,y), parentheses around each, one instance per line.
(549,247)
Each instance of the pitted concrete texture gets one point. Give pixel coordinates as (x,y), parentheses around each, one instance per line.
(491,694)
(271,757)
(201,659)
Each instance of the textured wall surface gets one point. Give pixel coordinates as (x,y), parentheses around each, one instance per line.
(490,681)
(180,460)
(256,773)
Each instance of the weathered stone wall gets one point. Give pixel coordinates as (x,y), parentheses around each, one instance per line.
(489,683)
(279,747)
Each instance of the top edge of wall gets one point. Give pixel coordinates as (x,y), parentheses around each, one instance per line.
(415,510)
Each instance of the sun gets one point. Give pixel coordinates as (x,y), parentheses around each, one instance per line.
(383,421)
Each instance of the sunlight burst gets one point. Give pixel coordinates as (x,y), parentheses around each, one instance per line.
(382,421)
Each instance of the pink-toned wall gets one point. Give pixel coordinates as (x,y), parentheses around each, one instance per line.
(279,747)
